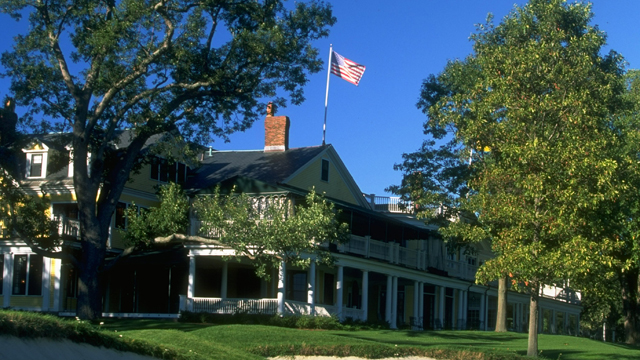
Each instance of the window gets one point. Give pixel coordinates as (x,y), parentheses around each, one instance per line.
(27,275)
(324,176)
(297,286)
(163,171)
(36,165)
(121,214)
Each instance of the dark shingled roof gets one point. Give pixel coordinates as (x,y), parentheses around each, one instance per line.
(268,167)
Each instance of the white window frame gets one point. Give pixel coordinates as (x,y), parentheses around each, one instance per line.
(43,169)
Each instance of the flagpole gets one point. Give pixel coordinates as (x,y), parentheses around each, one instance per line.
(326,97)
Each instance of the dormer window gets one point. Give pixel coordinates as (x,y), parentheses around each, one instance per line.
(35,169)
(36,165)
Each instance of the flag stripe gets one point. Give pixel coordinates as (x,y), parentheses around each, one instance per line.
(346,69)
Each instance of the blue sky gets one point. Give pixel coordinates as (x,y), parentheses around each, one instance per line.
(401,44)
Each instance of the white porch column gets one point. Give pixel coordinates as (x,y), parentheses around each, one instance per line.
(46,283)
(441,307)
(459,318)
(340,292)
(57,268)
(281,287)
(192,279)
(225,279)
(416,305)
(394,303)
(482,313)
(387,309)
(365,295)
(6,283)
(311,298)
(421,304)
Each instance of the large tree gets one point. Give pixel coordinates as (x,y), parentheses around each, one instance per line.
(539,94)
(202,66)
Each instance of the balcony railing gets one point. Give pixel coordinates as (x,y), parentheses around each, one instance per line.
(68,227)
(411,258)
(392,204)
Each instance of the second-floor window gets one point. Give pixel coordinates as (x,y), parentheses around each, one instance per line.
(121,215)
(163,171)
(36,165)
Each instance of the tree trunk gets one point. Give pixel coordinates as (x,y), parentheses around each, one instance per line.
(630,303)
(89,304)
(501,321)
(532,348)
(93,242)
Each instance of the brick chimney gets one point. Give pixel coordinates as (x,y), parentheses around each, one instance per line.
(276,131)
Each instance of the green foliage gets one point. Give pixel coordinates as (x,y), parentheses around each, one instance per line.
(170,217)
(272,229)
(534,114)
(34,222)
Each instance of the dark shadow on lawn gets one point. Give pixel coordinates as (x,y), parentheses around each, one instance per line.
(150,324)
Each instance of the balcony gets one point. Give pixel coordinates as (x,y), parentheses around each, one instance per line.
(412,258)
(390,204)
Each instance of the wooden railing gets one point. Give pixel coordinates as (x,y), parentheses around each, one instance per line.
(263,306)
(232,306)
(69,227)
(391,204)
(411,258)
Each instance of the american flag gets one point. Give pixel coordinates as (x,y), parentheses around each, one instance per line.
(346,69)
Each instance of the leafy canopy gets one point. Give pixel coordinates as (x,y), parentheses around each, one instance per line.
(272,229)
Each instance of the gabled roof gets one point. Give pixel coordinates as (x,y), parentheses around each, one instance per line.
(270,168)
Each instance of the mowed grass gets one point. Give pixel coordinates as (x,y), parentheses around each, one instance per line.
(256,341)
(177,340)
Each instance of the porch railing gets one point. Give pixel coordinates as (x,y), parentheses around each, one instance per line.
(266,306)
(231,306)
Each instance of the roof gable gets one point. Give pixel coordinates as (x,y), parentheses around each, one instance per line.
(340,184)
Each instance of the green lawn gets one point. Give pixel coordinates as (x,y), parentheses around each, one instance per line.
(245,341)
(186,341)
